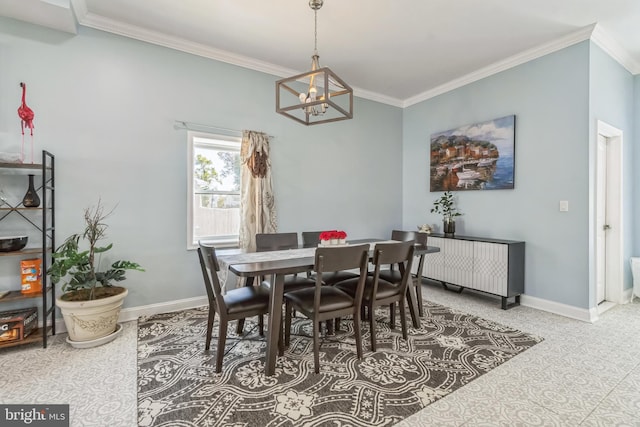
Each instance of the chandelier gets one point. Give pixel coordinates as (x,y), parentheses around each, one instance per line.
(326,98)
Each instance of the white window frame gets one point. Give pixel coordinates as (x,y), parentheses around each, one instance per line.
(224,142)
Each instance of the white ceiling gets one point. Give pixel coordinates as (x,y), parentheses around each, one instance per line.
(394,51)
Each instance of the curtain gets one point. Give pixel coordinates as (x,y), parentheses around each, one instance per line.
(257,208)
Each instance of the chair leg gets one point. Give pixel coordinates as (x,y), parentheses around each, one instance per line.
(419,295)
(281,341)
(372,328)
(287,324)
(240,327)
(336,322)
(329,326)
(403,318)
(212,315)
(316,345)
(222,337)
(358,334)
(261,324)
(392,315)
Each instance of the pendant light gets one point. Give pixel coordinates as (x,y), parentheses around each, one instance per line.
(323,97)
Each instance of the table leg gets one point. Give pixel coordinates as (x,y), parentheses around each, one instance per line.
(413,305)
(275,324)
(418,285)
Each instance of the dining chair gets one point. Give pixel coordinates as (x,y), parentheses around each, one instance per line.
(393,274)
(281,241)
(378,292)
(311,239)
(323,303)
(235,304)
(276,242)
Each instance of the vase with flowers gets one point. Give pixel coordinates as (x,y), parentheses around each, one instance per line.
(445,206)
(333,238)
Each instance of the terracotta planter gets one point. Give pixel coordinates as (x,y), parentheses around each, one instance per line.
(92,319)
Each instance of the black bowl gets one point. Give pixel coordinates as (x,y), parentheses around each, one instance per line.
(13,243)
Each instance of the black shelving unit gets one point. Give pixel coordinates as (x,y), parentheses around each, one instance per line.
(45,224)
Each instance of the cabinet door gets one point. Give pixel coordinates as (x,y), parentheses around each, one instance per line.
(434,263)
(458,262)
(491,267)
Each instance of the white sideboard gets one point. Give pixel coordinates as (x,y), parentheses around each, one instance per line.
(487,265)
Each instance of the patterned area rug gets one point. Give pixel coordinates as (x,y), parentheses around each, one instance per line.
(178,386)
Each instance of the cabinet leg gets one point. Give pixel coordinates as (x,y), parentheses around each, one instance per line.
(506,305)
(458,290)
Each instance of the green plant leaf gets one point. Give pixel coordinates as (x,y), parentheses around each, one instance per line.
(76,267)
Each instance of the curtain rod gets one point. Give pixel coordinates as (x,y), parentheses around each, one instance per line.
(181,124)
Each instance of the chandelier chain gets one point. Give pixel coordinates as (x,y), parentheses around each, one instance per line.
(315,35)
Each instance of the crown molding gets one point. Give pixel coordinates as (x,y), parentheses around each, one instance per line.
(374,96)
(97,22)
(112,26)
(612,48)
(593,32)
(513,61)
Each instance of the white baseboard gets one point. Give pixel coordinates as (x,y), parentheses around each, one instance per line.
(132,313)
(586,315)
(627,295)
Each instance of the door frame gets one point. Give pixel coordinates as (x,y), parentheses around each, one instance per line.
(614,282)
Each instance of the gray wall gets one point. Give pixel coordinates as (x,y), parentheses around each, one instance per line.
(549,97)
(105,106)
(611,100)
(557,100)
(635,186)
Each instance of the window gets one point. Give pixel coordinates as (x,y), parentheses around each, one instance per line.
(213,174)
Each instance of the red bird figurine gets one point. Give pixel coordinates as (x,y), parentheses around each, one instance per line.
(26,114)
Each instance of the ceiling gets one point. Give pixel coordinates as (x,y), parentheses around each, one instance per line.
(393,51)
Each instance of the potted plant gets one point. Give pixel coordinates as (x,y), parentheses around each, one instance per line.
(90,304)
(445,205)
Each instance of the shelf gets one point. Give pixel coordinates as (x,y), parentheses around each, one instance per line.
(17,295)
(22,209)
(35,336)
(34,166)
(29,251)
(44,223)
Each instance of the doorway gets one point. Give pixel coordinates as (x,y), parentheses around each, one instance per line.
(608,233)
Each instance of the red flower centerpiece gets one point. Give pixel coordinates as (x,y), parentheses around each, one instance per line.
(333,237)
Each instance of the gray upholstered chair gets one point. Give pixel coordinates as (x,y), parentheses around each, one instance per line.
(378,291)
(323,303)
(236,304)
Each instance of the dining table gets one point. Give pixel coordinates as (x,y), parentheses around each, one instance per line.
(281,263)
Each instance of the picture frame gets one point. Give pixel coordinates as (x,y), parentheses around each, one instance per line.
(479,156)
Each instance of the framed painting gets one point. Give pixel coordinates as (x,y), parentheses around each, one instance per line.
(474,157)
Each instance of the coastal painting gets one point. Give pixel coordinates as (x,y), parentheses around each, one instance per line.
(474,157)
